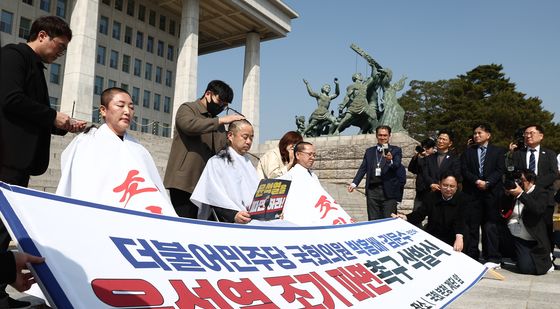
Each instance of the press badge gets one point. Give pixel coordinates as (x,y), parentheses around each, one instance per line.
(377,171)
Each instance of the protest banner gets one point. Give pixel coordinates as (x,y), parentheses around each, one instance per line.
(99,256)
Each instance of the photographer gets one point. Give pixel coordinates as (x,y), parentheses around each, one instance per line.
(543,163)
(524,206)
(416,165)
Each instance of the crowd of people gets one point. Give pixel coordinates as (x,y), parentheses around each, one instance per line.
(500,200)
(209,173)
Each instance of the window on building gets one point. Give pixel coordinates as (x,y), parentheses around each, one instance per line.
(172,26)
(139,39)
(119,4)
(111,83)
(168,78)
(150,44)
(128,35)
(135,95)
(126,63)
(148,71)
(155,128)
(106,2)
(162,22)
(30,2)
(145,125)
(24,27)
(146,99)
(124,86)
(116,30)
(45,5)
(141,12)
(133,123)
(165,131)
(55,73)
(61,8)
(53,102)
(6,21)
(130,7)
(160,45)
(137,67)
(152,18)
(170,52)
(158,74)
(167,104)
(98,85)
(157,101)
(101,54)
(103,25)
(114,60)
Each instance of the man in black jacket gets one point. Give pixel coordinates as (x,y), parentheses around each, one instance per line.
(416,166)
(380,166)
(26,118)
(543,163)
(482,166)
(445,210)
(525,207)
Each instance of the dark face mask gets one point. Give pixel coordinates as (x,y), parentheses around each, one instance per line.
(214,108)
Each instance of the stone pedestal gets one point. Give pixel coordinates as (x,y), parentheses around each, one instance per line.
(338,160)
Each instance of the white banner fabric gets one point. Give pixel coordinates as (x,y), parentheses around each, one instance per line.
(101,257)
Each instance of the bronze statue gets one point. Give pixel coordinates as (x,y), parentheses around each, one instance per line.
(393,115)
(358,110)
(300,124)
(321,119)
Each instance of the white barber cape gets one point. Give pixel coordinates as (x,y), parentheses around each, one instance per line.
(224,184)
(308,203)
(99,167)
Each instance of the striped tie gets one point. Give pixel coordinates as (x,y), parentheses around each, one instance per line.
(532,161)
(481,160)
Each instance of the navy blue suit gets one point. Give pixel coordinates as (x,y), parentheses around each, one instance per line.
(485,210)
(389,189)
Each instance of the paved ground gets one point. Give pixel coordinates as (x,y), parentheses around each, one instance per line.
(515,291)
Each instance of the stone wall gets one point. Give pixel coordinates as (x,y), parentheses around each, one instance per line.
(338,160)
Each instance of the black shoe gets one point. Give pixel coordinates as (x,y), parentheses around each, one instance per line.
(14,303)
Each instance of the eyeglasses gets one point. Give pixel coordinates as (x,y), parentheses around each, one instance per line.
(310,154)
(448,186)
(60,46)
(531,133)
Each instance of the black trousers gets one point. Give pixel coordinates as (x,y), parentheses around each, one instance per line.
(181,201)
(12,177)
(378,206)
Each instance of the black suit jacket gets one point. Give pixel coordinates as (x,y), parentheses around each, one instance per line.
(26,118)
(431,171)
(533,216)
(389,172)
(494,167)
(547,169)
(416,166)
(445,218)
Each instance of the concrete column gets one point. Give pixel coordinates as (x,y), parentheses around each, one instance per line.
(79,69)
(251,82)
(187,60)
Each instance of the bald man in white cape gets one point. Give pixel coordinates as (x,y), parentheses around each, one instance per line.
(109,167)
(229,180)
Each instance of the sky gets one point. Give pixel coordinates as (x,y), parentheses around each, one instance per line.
(425,40)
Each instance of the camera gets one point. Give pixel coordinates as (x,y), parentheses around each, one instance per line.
(419,149)
(512,178)
(519,139)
